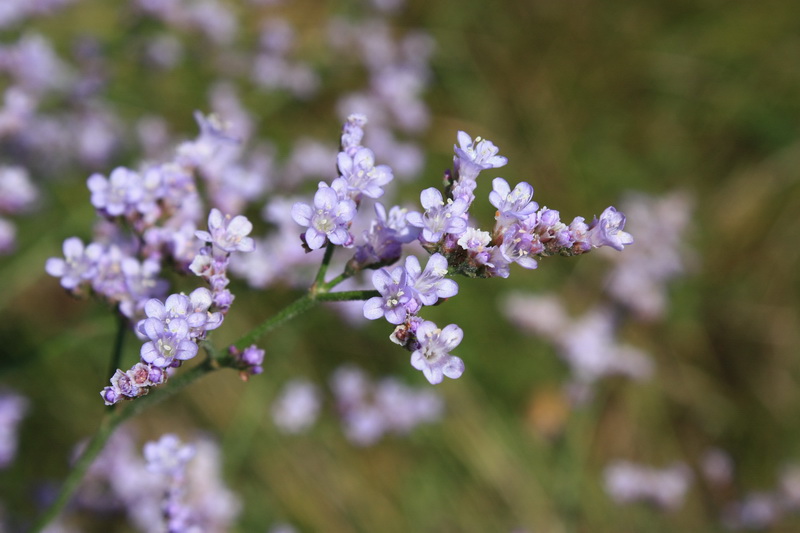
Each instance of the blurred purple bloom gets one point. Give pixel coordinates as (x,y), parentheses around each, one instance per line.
(116,195)
(296,407)
(433,355)
(12,410)
(353,132)
(17,191)
(168,456)
(79,263)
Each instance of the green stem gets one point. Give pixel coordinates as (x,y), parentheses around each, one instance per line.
(110,422)
(299,306)
(323,267)
(346,296)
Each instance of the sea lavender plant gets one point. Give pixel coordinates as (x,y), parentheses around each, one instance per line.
(160,204)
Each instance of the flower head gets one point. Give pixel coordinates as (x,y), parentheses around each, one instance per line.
(431,284)
(228,234)
(473,156)
(512,205)
(433,355)
(328,220)
(440,217)
(607,230)
(396,299)
(363,178)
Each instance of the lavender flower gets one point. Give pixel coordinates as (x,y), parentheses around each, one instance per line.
(439,218)
(176,487)
(328,220)
(607,231)
(512,205)
(361,174)
(116,195)
(396,299)
(433,355)
(474,156)
(228,234)
(249,360)
(169,340)
(385,238)
(353,132)
(430,285)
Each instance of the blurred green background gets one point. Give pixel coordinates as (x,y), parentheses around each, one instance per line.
(588,100)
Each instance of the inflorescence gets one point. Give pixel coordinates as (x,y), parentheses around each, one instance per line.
(162,206)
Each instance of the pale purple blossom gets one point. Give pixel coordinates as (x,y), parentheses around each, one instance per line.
(477,244)
(227,233)
(433,355)
(396,300)
(249,360)
(177,487)
(607,230)
(440,217)
(640,276)
(473,156)
(169,341)
(383,242)
(512,205)
(430,285)
(328,220)
(363,177)
(520,246)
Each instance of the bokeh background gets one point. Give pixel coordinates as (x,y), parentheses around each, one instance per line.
(589,101)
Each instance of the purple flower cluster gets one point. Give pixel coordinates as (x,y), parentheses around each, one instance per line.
(13,408)
(171,486)
(522,233)
(640,276)
(17,195)
(588,343)
(370,409)
(174,327)
(398,72)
